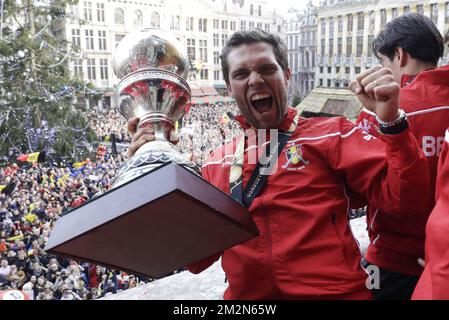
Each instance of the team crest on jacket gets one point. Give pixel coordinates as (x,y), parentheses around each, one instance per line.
(295,159)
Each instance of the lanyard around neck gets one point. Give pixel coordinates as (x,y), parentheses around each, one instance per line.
(261,172)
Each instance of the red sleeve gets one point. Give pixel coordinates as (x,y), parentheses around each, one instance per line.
(368,123)
(440,270)
(200,266)
(392,174)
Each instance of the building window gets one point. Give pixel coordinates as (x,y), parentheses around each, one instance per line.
(447,13)
(331,46)
(372,21)
(78,68)
(216,23)
(216,75)
(87,10)
(204,74)
(191,49)
(119,16)
(202,25)
(394,13)
(358,70)
(321,69)
(347,70)
(138,18)
(329,83)
(323,26)
(339,46)
(216,57)
(203,50)
(155,20)
(340,24)
(420,8)
(91,74)
(259,11)
(360,21)
(434,12)
(102,40)
(383,17)
(267,27)
(243,25)
(216,40)
(329,70)
(251,25)
(331,26)
(118,38)
(350,22)
(224,24)
(174,23)
(76,38)
(370,45)
(251,9)
(104,69)
(89,39)
(100,12)
(406,9)
(259,25)
(233,24)
(224,37)
(189,24)
(323,48)
(359,46)
(348,46)
(321,82)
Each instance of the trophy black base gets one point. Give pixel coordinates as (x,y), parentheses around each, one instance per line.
(153,225)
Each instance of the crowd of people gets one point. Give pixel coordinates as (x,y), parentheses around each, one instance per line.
(36,195)
(206,127)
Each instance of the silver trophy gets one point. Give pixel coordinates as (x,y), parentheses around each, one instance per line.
(158,217)
(152,68)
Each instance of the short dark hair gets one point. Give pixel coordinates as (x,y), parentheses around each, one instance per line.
(413,32)
(253,36)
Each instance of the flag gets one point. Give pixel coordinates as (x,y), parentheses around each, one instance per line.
(2,187)
(225,119)
(62,180)
(32,157)
(78,165)
(8,189)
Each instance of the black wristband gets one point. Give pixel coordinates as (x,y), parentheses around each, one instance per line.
(396,127)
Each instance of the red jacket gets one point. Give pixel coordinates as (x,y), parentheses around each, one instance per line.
(434,282)
(306,249)
(396,244)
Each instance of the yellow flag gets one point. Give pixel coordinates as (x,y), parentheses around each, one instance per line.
(2,187)
(32,157)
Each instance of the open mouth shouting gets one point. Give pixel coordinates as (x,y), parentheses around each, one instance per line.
(262,102)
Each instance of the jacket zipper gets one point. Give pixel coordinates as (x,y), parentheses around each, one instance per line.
(270,251)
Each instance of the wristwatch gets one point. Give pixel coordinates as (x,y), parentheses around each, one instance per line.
(394,127)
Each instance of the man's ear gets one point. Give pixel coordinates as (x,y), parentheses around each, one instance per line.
(229,89)
(287,75)
(402,56)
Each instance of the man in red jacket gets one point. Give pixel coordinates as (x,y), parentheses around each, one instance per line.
(410,46)
(434,281)
(306,249)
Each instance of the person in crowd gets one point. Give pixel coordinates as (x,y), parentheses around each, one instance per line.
(411,47)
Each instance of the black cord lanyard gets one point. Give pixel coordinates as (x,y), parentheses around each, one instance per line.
(261,172)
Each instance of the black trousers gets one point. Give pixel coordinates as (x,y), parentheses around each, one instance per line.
(393,285)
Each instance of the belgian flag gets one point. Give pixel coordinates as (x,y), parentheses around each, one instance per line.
(32,157)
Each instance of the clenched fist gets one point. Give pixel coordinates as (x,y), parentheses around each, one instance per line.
(378,92)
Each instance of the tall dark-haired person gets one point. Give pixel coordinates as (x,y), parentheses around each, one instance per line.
(434,281)
(306,249)
(410,47)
